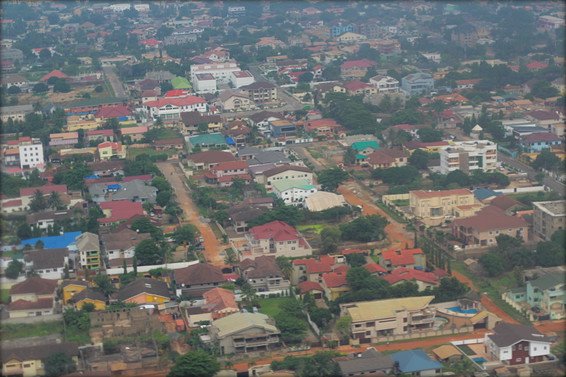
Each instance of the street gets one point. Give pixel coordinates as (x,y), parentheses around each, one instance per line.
(553,184)
(114,80)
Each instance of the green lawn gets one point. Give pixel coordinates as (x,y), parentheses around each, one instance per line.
(4,296)
(272,306)
(134,152)
(168,133)
(314,228)
(25,330)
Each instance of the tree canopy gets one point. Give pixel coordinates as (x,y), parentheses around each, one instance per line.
(330,179)
(364,229)
(197,363)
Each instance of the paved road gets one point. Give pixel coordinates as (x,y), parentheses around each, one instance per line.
(531,173)
(212,246)
(114,80)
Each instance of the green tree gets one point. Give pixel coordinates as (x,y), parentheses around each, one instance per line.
(163,198)
(104,284)
(62,86)
(364,229)
(546,160)
(493,263)
(322,364)
(329,239)
(330,179)
(343,325)
(196,363)
(185,234)
(427,135)
(14,269)
(38,202)
(543,89)
(148,252)
(356,260)
(231,257)
(419,159)
(54,201)
(40,88)
(24,231)
(58,364)
(285,266)
(350,156)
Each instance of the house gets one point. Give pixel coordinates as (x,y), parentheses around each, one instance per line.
(107,168)
(195,280)
(45,219)
(541,298)
(538,142)
(29,361)
(323,127)
(119,244)
(285,173)
(515,344)
(448,353)
(240,215)
(374,321)
(385,84)
(176,143)
(119,211)
(311,269)
(481,229)
(111,150)
(548,218)
(16,112)
(416,363)
(55,73)
(89,296)
(209,159)
(433,207)
(417,83)
(293,192)
(282,128)
(69,288)
(312,288)
(244,332)
(195,121)
(220,302)
(339,29)
(356,69)
(261,92)
(370,362)
(63,139)
(14,80)
(356,87)
(387,158)
(238,131)
(204,83)
(121,112)
(88,246)
(322,200)
(47,264)
(408,258)
(235,100)
(144,291)
(276,238)
(225,173)
(31,298)
(96,136)
(466,84)
(134,134)
(335,284)
(264,275)
(206,141)
(257,157)
(469,156)
(27,194)
(170,109)
(424,280)
(134,191)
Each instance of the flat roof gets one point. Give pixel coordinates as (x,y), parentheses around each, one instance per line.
(553,208)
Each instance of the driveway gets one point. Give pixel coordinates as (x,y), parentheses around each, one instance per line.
(212,247)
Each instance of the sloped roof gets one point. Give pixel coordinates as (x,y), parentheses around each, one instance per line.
(211,157)
(47,189)
(414,361)
(88,242)
(309,286)
(143,285)
(372,310)
(284,168)
(197,274)
(218,299)
(276,230)
(445,351)
(507,334)
(241,321)
(490,218)
(89,293)
(262,267)
(368,361)
(51,258)
(401,257)
(38,352)
(36,285)
(42,303)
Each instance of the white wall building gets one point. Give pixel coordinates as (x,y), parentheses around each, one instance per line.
(385,84)
(204,83)
(241,78)
(31,154)
(469,156)
(293,192)
(220,71)
(171,108)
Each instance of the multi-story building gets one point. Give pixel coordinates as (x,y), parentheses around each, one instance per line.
(282,128)
(417,83)
(263,274)
(433,207)
(245,332)
(64,139)
(539,141)
(170,109)
(204,83)
(30,153)
(542,298)
(220,71)
(88,247)
(549,217)
(108,150)
(241,78)
(16,113)
(339,29)
(293,192)
(469,156)
(385,84)
(225,172)
(278,239)
(356,69)
(261,91)
(409,258)
(372,321)
(286,172)
(515,344)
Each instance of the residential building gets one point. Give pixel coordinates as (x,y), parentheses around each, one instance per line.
(30,153)
(116,212)
(175,143)
(64,139)
(323,127)
(448,353)
(220,71)
(101,135)
(261,91)
(537,142)
(469,156)
(357,87)
(29,361)
(370,362)
(170,109)
(386,158)
(417,83)
(322,200)
(312,288)
(220,302)
(88,246)
(374,321)
(31,298)
(264,275)
(193,120)
(89,296)
(433,207)
(548,218)
(416,363)
(516,344)
(27,194)
(356,69)
(134,191)
(235,100)
(241,78)
(282,128)
(206,141)
(195,280)
(424,280)
(339,29)
(111,150)
(69,288)
(118,245)
(144,291)
(47,264)
(482,229)
(134,134)
(209,159)
(312,269)
(408,258)
(335,284)
(204,83)
(16,113)
(278,239)
(293,192)
(385,84)
(350,37)
(286,173)
(364,148)
(224,173)
(240,215)
(46,219)
(245,332)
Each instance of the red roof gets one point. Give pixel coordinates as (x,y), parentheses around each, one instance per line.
(12,203)
(363,63)
(110,144)
(334,279)
(540,136)
(535,65)
(120,210)
(314,266)
(309,286)
(42,303)
(407,274)
(372,268)
(180,101)
(100,133)
(275,230)
(468,82)
(356,85)
(150,42)
(353,251)
(319,123)
(54,73)
(490,218)
(401,257)
(36,285)
(175,93)
(115,111)
(47,189)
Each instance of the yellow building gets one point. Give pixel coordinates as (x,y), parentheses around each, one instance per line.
(109,149)
(145,291)
(82,122)
(71,288)
(433,207)
(89,296)
(334,284)
(28,361)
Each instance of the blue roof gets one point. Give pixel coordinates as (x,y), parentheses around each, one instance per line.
(53,242)
(230,141)
(94,176)
(415,361)
(114,186)
(484,193)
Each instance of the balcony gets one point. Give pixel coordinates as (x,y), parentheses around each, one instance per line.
(255,342)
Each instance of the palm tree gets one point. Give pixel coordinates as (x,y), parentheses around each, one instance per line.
(249,294)
(231,258)
(54,201)
(285,266)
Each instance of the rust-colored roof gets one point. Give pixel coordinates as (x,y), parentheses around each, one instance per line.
(35,285)
(490,218)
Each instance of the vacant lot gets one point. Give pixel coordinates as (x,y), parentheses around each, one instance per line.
(25,330)
(272,306)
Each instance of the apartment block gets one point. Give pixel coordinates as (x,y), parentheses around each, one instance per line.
(221,71)
(433,207)
(469,156)
(549,217)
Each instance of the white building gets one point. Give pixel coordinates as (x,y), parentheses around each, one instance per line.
(241,78)
(31,154)
(469,156)
(293,192)
(385,84)
(171,108)
(220,71)
(204,83)
(516,344)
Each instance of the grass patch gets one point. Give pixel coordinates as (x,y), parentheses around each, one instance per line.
(313,228)
(4,296)
(315,154)
(272,306)
(134,152)
(78,336)
(168,133)
(394,215)
(467,350)
(26,330)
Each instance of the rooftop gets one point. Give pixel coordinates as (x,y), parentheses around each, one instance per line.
(53,242)
(372,310)
(553,208)
(241,321)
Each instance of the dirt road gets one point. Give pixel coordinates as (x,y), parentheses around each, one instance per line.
(212,246)
(396,233)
